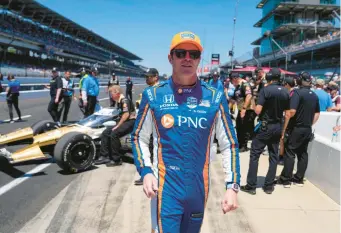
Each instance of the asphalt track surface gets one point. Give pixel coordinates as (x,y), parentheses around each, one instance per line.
(25,200)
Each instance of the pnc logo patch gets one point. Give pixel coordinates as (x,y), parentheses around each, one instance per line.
(167,121)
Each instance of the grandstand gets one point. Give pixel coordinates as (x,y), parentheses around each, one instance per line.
(34,38)
(307,32)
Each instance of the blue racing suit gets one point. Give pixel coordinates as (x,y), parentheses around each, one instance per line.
(217,84)
(183,122)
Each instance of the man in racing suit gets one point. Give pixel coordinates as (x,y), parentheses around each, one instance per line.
(110,141)
(152,79)
(183,114)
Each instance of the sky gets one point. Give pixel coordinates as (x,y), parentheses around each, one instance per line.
(146,27)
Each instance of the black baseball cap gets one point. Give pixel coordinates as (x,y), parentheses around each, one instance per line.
(54,69)
(305,76)
(152,72)
(274,73)
(290,81)
(113,74)
(235,75)
(258,69)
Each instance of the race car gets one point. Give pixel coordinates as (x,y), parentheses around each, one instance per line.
(74,146)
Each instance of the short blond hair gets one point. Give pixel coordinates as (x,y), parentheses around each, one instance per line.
(115,88)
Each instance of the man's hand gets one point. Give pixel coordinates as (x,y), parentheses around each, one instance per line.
(115,128)
(242,113)
(85,103)
(229,201)
(150,185)
(56,101)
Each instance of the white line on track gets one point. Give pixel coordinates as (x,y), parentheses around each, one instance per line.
(4,189)
(103,99)
(23,117)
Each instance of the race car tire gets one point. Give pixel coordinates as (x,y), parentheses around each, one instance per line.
(43,126)
(75,152)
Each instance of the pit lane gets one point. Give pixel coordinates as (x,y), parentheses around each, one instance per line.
(23,201)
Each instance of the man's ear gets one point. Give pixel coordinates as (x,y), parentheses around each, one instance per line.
(170,59)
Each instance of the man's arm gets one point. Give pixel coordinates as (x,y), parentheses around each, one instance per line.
(140,137)
(260,102)
(59,88)
(228,144)
(317,111)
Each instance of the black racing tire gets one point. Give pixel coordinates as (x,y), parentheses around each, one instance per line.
(75,152)
(43,126)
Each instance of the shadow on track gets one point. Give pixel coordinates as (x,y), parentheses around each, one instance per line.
(13,172)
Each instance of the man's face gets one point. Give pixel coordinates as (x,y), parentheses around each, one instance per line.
(67,75)
(333,93)
(54,73)
(151,80)
(113,77)
(260,74)
(215,77)
(115,95)
(185,64)
(235,81)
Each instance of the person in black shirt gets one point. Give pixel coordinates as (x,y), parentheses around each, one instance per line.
(110,141)
(55,87)
(245,119)
(129,89)
(112,81)
(273,100)
(12,96)
(304,112)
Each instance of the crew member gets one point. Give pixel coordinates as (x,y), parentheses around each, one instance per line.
(112,81)
(1,79)
(90,92)
(152,79)
(110,140)
(215,81)
(289,83)
(68,93)
(259,83)
(83,74)
(55,87)
(12,94)
(273,100)
(183,114)
(304,112)
(129,89)
(245,119)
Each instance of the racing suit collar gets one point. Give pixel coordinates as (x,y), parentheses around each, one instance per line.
(178,89)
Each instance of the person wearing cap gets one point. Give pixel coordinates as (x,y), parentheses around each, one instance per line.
(259,83)
(245,121)
(112,81)
(336,98)
(325,100)
(289,83)
(297,131)
(152,79)
(129,89)
(56,85)
(273,101)
(12,96)
(68,93)
(83,74)
(215,81)
(184,114)
(90,92)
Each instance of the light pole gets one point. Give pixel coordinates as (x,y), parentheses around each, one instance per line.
(231,53)
(268,34)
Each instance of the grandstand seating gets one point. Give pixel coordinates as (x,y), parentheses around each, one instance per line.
(53,41)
